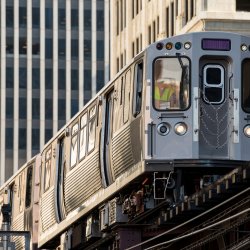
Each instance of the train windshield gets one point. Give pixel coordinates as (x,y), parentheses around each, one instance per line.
(171,83)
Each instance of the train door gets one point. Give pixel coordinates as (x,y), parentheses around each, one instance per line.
(215,108)
(107,140)
(59,201)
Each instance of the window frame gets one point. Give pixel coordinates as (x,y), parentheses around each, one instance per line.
(125,84)
(89,120)
(246,58)
(72,136)
(153,84)
(85,126)
(31,187)
(46,160)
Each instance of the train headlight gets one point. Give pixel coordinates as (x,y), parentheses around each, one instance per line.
(187,45)
(163,128)
(247,130)
(180,128)
(243,47)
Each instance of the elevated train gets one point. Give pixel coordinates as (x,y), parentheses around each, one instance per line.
(176,116)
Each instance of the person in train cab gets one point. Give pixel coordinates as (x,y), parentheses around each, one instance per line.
(164,89)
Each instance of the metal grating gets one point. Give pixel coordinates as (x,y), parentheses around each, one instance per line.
(122,152)
(18,225)
(48,209)
(112,212)
(82,182)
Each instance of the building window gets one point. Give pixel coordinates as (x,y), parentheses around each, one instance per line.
(9,107)
(74,107)
(9,138)
(48,135)
(35,46)
(87,80)
(61,109)
(133,49)
(61,79)
(35,78)
(9,16)
(48,48)
(48,18)
(167,21)
(100,50)
(172,17)
(74,79)
(87,19)
(91,130)
(61,19)
(22,108)
(121,61)
(176,7)
(74,19)
(22,78)
(9,45)
(192,8)
(22,138)
(187,11)
(137,45)
(133,9)
(87,50)
(149,34)
(141,5)
(61,48)
(35,18)
(35,138)
(48,109)
(22,45)
(117,18)
(9,77)
(22,17)
(100,20)
(35,108)
(242,5)
(141,41)
(48,79)
(158,25)
(100,79)
(137,7)
(121,15)
(153,31)
(117,63)
(74,49)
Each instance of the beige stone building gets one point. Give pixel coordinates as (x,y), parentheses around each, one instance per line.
(137,23)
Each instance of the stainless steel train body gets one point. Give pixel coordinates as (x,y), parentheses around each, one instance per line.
(182,103)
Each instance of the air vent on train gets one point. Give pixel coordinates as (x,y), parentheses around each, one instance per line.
(115,212)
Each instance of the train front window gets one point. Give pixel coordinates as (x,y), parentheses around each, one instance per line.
(246,85)
(171,83)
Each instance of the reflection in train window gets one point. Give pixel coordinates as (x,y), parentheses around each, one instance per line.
(29,187)
(92,125)
(83,136)
(138,88)
(74,145)
(246,85)
(47,169)
(126,97)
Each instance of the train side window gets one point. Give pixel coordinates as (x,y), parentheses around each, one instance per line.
(92,127)
(83,136)
(121,100)
(47,169)
(246,85)
(138,80)
(126,97)
(29,187)
(74,140)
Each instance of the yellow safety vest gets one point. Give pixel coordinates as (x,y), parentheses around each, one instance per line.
(166,95)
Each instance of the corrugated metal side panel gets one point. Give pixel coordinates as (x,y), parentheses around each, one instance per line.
(48,209)
(122,152)
(18,225)
(82,182)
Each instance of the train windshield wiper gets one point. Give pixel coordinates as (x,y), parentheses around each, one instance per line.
(182,67)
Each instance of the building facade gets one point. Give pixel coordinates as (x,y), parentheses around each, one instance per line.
(54,59)
(137,23)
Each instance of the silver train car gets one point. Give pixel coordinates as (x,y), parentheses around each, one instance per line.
(173,119)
